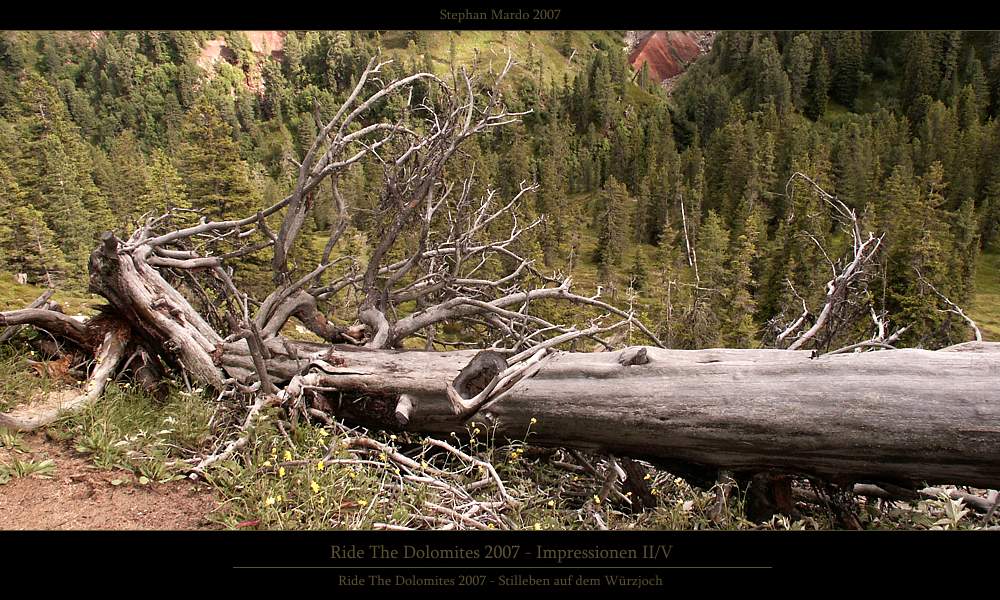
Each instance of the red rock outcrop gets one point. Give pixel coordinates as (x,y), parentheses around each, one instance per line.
(668,53)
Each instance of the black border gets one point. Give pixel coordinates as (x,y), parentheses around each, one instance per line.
(106,557)
(428,16)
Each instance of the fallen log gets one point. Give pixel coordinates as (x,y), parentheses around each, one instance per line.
(109,355)
(904,416)
(40,302)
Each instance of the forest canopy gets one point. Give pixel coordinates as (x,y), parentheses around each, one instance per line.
(99,129)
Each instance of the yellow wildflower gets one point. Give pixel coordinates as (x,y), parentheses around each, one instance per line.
(281,471)
(287,455)
(320,465)
(269,501)
(552,503)
(533,420)
(323,433)
(538,526)
(597,499)
(382,456)
(363,502)
(314,486)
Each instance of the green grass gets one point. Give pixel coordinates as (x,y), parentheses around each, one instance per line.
(491,47)
(132,431)
(26,468)
(985,307)
(14,295)
(17,383)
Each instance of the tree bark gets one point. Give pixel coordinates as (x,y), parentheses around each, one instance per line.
(897,416)
(903,416)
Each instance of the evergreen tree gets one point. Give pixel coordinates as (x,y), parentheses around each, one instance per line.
(819,86)
(739,329)
(128,190)
(612,240)
(710,301)
(54,170)
(638,273)
(167,189)
(919,72)
(29,247)
(768,80)
(216,177)
(798,63)
(847,67)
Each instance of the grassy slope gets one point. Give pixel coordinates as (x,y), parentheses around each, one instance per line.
(985,308)
(492,48)
(14,295)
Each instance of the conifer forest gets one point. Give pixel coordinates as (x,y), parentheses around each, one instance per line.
(480,280)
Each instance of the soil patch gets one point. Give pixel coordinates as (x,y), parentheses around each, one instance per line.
(79,495)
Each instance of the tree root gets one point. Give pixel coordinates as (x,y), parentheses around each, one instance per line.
(109,355)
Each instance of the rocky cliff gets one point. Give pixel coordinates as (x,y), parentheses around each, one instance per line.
(668,53)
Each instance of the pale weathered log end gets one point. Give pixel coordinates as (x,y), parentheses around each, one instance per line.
(404,409)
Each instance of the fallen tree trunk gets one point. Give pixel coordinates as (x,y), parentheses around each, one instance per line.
(906,416)
(898,416)
(901,416)
(109,355)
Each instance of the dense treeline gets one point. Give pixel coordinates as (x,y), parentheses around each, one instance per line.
(681,199)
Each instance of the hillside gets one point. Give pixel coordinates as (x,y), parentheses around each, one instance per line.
(985,306)
(667,54)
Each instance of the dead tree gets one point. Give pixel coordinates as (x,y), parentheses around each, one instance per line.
(444,254)
(848,273)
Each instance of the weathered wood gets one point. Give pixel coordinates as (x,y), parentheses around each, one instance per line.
(49,320)
(153,308)
(33,416)
(40,302)
(900,415)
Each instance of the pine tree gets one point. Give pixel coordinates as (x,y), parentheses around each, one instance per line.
(948,82)
(819,86)
(975,75)
(798,63)
(767,79)
(919,72)
(847,67)
(739,329)
(128,191)
(167,189)
(54,169)
(710,301)
(612,240)
(30,247)
(638,273)
(602,94)
(217,178)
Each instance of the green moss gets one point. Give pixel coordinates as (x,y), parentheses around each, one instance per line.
(15,295)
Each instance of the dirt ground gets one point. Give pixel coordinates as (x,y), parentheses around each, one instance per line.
(81,496)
